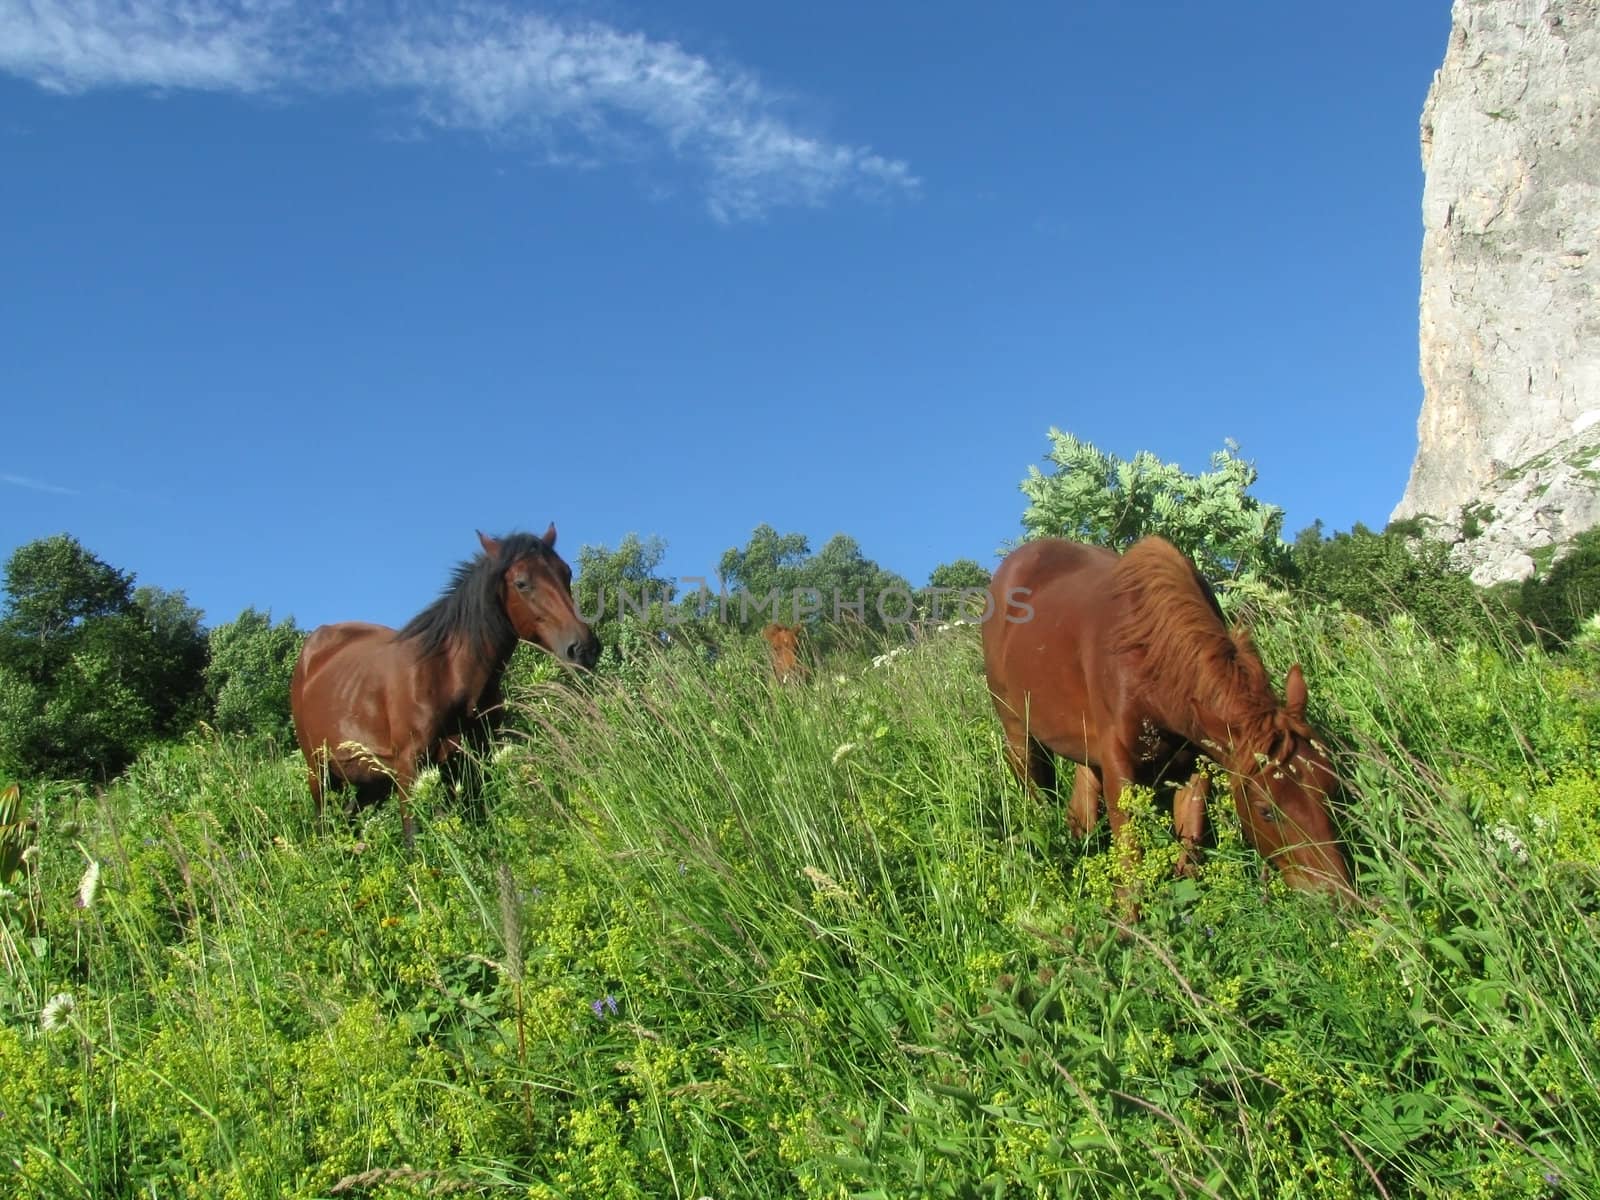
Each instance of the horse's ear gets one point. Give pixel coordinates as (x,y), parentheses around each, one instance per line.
(1294,693)
(490,546)
(550,536)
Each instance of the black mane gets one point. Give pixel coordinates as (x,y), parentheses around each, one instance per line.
(470,605)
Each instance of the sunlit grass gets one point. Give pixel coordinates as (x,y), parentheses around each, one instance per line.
(723,936)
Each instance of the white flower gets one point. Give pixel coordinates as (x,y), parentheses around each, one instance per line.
(57,1012)
(843,750)
(1507,836)
(89,885)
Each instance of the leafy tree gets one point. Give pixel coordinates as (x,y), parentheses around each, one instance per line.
(1379,574)
(247,677)
(839,574)
(54,583)
(842,575)
(769,561)
(1569,593)
(610,586)
(964,575)
(172,649)
(90,670)
(1095,497)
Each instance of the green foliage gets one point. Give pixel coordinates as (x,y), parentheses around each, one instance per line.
(54,583)
(779,570)
(769,562)
(724,937)
(1473,519)
(14,832)
(718,936)
(1093,496)
(90,670)
(1568,594)
(955,589)
(961,573)
(613,584)
(247,675)
(172,650)
(1379,574)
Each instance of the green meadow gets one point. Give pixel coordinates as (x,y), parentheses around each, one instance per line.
(714,936)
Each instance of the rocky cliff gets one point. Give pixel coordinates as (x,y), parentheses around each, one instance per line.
(1508,456)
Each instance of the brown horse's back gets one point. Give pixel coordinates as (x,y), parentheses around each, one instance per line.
(339,693)
(1041,669)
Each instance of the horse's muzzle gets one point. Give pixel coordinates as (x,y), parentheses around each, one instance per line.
(583,651)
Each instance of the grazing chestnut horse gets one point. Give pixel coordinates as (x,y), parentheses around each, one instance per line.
(373,705)
(784,643)
(1123,663)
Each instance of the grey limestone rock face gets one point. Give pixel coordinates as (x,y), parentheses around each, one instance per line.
(1510,324)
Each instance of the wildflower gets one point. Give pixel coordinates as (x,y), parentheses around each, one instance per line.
(57,1012)
(31,854)
(842,751)
(1553,1178)
(606,1003)
(1507,836)
(89,885)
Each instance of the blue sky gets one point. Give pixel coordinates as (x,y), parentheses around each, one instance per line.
(290,305)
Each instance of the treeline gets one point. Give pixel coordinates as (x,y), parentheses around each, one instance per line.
(93,668)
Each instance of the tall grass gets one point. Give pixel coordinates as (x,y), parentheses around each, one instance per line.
(720,936)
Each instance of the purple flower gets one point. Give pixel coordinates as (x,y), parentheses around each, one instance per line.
(1553,1178)
(606,1003)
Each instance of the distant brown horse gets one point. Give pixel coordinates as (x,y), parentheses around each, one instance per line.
(373,705)
(783,641)
(1125,664)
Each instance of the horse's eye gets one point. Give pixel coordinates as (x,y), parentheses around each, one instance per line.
(522,584)
(1269,812)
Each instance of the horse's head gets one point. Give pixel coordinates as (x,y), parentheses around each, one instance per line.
(1282,794)
(784,642)
(536,590)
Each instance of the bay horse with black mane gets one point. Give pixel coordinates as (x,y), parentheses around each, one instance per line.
(373,705)
(1125,665)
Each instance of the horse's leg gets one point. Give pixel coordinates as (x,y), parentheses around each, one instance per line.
(1030,761)
(316,775)
(1084,808)
(403,779)
(314,778)
(1189,818)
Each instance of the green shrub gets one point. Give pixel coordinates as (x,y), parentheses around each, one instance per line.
(1560,602)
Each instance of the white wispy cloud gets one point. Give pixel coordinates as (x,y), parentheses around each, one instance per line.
(35,485)
(583,92)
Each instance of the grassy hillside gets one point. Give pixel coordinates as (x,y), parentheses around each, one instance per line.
(718,937)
